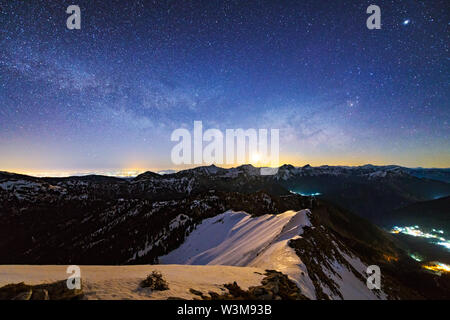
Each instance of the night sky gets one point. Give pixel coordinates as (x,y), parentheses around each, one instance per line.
(107,97)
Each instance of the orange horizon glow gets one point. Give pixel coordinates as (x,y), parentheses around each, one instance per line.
(134,171)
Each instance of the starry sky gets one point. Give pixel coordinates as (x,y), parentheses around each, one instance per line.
(107,97)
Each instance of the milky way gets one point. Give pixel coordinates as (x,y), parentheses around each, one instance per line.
(109,95)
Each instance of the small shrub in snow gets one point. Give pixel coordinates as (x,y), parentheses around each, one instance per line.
(155,281)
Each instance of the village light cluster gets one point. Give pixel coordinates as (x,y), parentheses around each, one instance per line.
(438,267)
(416,232)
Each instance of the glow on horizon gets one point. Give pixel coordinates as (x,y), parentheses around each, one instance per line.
(139,163)
(133,171)
(125,173)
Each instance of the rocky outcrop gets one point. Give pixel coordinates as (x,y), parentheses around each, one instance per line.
(48,291)
(274,286)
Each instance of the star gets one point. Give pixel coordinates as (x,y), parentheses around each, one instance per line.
(406,22)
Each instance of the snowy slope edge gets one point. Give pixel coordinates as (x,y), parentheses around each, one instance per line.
(238,239)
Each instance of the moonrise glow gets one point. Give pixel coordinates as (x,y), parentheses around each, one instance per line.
(108,96)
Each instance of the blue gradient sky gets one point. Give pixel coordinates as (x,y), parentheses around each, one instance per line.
(108,96)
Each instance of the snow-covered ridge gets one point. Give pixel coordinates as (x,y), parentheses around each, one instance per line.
(238,239)
(235,238)
(286,172)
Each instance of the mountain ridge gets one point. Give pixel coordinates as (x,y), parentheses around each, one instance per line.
(100,221)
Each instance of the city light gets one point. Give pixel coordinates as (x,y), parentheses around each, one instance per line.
(434,235)
(437,267)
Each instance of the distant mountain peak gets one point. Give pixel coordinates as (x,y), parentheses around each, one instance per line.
(147,175)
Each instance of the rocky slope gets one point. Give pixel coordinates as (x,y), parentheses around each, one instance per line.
(105,220)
